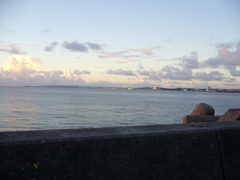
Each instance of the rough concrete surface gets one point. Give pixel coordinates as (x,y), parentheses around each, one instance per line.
(230,115)
(198,151)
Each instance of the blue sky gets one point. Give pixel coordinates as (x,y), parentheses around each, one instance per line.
(167,43)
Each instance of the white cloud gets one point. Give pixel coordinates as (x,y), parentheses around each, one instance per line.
(23,70)
(21,62)
(230,59)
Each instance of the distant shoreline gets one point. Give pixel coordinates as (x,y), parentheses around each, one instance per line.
(147,88)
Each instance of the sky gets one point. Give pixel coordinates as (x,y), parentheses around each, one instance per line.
(127,43)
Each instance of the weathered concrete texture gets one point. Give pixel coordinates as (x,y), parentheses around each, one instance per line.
(230,115)
(203,109)
(202,151)
(228,134)
(188,119)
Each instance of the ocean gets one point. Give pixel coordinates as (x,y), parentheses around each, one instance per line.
(41,108)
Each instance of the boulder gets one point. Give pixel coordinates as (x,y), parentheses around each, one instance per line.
(203,109)
(188,119)
(230,115)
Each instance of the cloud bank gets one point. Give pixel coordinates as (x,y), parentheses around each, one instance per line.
(229,59)
(188,69)
(25,70)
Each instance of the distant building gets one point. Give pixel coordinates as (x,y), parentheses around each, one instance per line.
(208,89)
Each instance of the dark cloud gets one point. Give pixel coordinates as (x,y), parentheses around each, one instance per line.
(13,50)
(144,73)
(230,84)
(85,72)
(76,72)
(230,79)
(212,76)
(212,62)
(174,73)
(16,50)
(51,46)
(94,46)
(225,45)
(46,31)
(121,72)
(4,50)
(75,46)
(151,75)
(233,71)
(190,62)
(81,47)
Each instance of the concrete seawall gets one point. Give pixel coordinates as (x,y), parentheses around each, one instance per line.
(183,151)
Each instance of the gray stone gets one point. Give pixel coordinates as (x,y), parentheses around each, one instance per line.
(230,115)
(203,109)
(188,119)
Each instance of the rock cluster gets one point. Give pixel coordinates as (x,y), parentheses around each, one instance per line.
(205,113)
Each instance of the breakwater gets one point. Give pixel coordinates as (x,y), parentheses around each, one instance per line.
(181,151)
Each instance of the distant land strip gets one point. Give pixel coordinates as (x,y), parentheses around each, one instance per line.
(208,89)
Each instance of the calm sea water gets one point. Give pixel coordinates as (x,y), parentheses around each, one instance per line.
(38,108)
